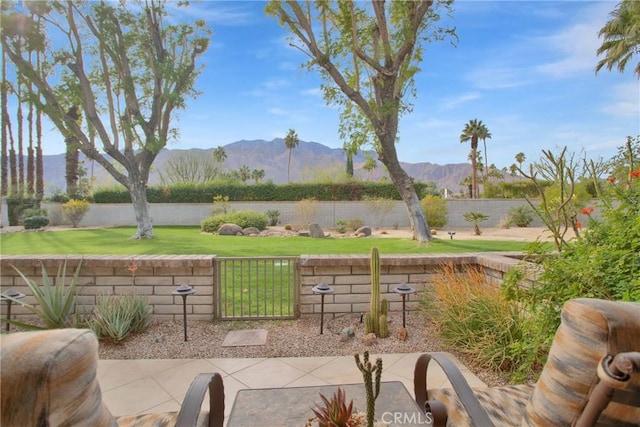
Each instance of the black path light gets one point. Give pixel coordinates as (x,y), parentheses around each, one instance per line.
(11,293)
(404,289)
(322,289)
(451,234)
(184,291)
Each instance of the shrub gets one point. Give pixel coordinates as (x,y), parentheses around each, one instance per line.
(601,262)
(354,223)
(243,219)
(55,301)
(475,319)
(35,222)
(116,316)
(521,216)
(273,216)
(75,210)
(306,211)
(435,209)
(31,212)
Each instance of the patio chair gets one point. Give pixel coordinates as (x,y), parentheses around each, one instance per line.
(49,379)
(591,377)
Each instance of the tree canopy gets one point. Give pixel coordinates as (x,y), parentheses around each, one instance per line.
(368,55)
(126,66)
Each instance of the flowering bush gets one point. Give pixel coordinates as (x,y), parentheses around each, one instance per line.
(74,210)
(602,261)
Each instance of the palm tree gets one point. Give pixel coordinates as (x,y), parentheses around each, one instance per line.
(484,137)
(473,131)
(621,36)
(520,158)
(219,154)
(290,141)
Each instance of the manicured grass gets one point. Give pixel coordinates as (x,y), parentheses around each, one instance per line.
(190,241)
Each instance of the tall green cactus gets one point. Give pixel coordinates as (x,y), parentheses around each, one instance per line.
(377,309)
(368,371)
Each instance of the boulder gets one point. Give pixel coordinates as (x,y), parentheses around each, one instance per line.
(315,231)
(250,231)
(369,339)
(229,230)
(364,231)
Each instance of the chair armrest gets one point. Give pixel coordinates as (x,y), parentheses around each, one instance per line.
(190,409)
(466,396)
(614,373)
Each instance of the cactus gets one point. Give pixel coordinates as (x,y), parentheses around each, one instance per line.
(368,323)
(384,330)
(368,371)
(379,309)
(375,288)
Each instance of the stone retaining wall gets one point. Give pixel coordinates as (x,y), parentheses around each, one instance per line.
(158,276)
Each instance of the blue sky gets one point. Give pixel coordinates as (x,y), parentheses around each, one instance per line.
(525,68)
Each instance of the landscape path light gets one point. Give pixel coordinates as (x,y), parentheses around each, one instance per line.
(322,289)
(184,291)
(404,289)
(13,294)
(451,234)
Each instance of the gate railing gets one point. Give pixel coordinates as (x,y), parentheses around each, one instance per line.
(257,288)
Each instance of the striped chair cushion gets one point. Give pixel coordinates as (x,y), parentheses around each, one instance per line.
(590,330)
(504,405)
(163,419)
(49,379)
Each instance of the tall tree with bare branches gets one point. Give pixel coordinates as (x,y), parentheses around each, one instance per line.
(129,64)
(368,55)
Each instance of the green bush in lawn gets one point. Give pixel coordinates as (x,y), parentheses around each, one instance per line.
(35,222)
(435,209)
(244,219)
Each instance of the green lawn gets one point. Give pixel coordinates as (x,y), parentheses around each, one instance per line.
(190,241)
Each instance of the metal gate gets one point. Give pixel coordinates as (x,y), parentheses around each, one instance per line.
(257,288)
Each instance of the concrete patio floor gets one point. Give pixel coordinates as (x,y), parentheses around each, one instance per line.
(132,387)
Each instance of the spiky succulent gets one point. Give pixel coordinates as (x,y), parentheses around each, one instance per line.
(335,412)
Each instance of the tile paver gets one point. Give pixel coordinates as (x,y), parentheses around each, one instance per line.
(145,386)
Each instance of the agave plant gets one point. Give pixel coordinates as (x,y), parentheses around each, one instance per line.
(55,301)
(335,412)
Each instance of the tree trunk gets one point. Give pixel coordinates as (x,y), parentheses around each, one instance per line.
(404,184)
(138,192)
(474,166)
(4,173)
(31,181)
(39,157)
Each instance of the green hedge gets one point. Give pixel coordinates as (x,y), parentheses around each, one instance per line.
(190,193)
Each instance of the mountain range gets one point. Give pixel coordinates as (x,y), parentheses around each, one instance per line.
(310,161)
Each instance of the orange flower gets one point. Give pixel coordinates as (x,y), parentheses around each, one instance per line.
(133,267)
(579,225)
(587,210)
(635,174)
(612,179)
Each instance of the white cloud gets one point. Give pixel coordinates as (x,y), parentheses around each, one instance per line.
(453,102)
(625,100)
(277,111)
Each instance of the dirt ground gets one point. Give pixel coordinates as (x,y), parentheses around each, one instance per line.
(521,234)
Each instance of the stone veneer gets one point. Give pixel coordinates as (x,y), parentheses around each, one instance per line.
(157,276)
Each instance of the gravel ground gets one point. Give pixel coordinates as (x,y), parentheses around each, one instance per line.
(285,338)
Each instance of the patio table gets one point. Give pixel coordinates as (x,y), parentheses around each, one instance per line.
(291,406)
